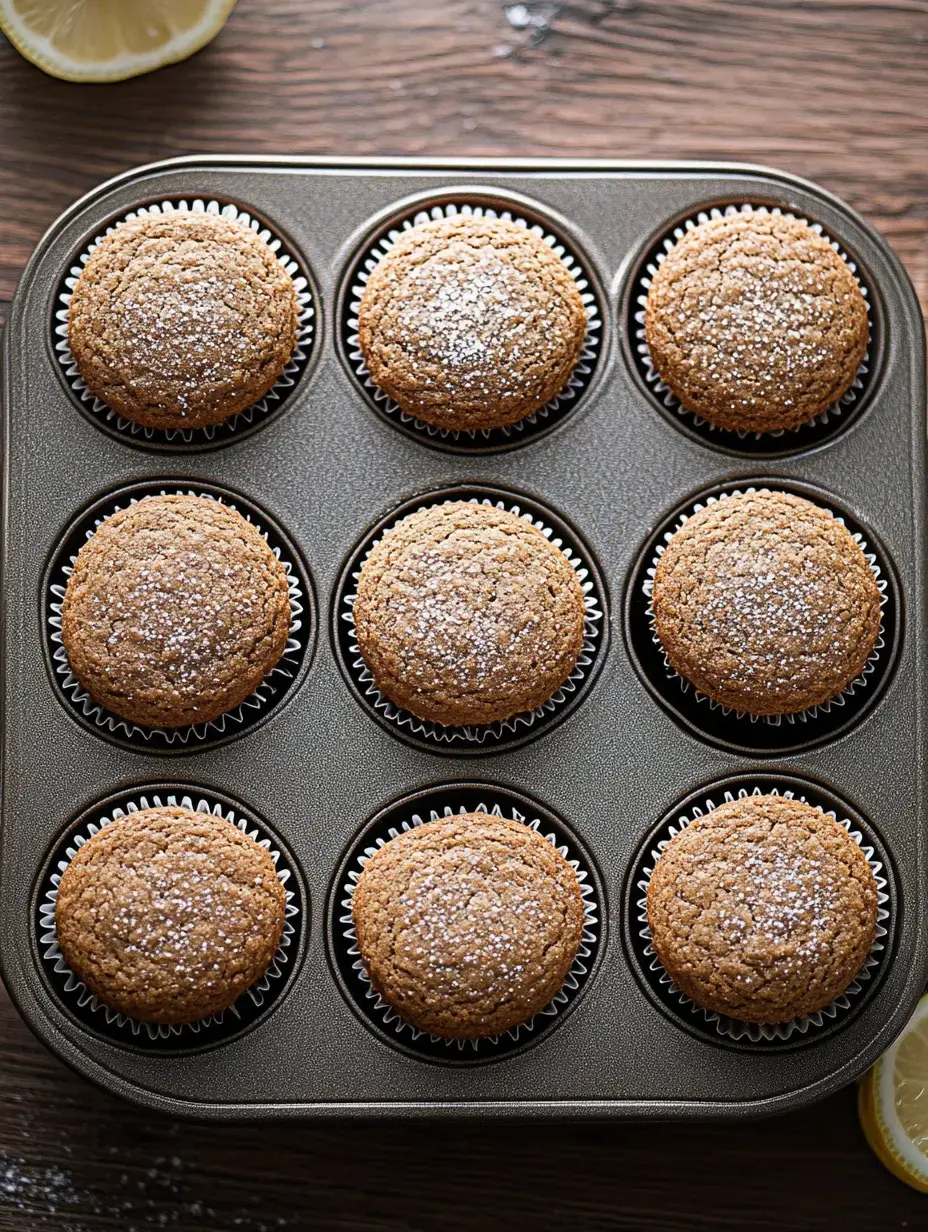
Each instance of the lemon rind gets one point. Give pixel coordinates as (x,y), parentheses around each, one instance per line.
(35,49)
(880,1121)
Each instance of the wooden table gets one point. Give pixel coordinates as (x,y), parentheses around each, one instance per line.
(834,91)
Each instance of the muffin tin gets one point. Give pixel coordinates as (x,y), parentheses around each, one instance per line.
(324,772)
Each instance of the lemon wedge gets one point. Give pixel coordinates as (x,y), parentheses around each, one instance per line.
(893,1103)
(109,40)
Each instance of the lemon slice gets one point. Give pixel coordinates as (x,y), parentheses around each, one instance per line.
(893,1103)
(109,40)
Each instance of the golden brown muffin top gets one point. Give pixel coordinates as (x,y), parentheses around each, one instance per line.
(471,323)
(468,925)
(755,322)
(764,909)
(466,613)
(168,915)
(181,320)
(765,602)
(175,611)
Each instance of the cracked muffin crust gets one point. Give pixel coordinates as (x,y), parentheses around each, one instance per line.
(169,915)
(468,925)
(766,603)
(471,323)
(465,613)
(755,322)
(181,320)
(763,910)
(175,611)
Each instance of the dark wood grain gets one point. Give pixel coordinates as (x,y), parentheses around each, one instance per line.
(834,91)
(74,1158)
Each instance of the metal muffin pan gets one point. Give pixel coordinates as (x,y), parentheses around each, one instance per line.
(326,470)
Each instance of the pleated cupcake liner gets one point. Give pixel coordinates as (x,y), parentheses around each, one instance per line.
(384,1015)
(774,720)
(76,994)
(246,418)
(733,1028)
(268,693)
(504,729)
(527,427)
(662,391)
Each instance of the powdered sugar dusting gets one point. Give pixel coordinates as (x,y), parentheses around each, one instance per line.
(754,320)
(176,612)
(174,606)
(185,314)
(786,900)
(766,326)
(469,618)
(474,324)
(464,934)
(766,602)
(182,327)
(774,614)
(176,913)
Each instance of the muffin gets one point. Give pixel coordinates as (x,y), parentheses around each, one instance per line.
(175,611)
(763,910)
(471,323)
(181,320)
(755,322)
(467,614)
(468,925)
(169,915)
(766,603)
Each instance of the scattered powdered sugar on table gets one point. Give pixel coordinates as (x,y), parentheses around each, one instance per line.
(535,18)
(138,1199)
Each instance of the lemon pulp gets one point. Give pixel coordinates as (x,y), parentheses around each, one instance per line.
(105,40)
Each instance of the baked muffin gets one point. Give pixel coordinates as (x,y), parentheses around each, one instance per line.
(471,323)
(175,611)
(468,925)
(467,614)
(169,915)
(181,320)
(763,910)
(755,322)
(766,603)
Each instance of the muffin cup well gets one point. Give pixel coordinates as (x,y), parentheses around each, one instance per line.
(721,724)
(242,422)
(477,440)
(475,738)
(119,1027)
(708,1023)
(828,423)
(407,814)
(277,684)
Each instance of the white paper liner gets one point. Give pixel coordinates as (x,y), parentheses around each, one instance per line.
(478,733)
(83,997)
(734,1028)
(773,720)
(578,972)
(241,419)
(579,377)
(274,683)
(663,391)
